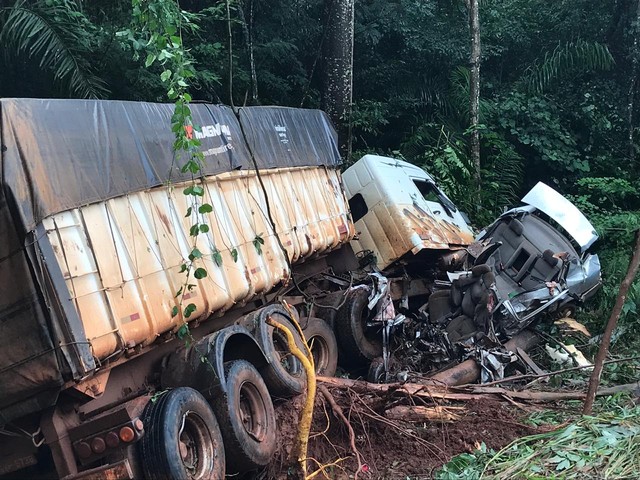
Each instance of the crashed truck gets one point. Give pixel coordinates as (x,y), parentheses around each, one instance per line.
(96,379)
(429,295)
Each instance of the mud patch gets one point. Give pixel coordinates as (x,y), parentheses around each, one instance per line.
(390,450)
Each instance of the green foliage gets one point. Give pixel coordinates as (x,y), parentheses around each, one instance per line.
(56,35)
(537,128)
(602,446)
(466,466)
(565,60)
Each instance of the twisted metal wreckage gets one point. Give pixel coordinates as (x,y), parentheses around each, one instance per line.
(531,262)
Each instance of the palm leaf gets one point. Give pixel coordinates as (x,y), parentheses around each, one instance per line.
(51,34)
(567,59)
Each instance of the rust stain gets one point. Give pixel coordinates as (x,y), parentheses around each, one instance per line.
(453,235)
(164,220)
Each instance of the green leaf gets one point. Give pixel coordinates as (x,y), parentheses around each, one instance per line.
(174,311)
(194,230)
(178,293)
(205,208)
(217,257)
(234,255)
(150,59)
(183,268)
(204,228)
(189,210)
(198,190)
(195,253)
(183,331)
(189,309)
(200,273)
(258,241)
(166,75)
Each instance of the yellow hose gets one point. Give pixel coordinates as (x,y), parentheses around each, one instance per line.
(306,415)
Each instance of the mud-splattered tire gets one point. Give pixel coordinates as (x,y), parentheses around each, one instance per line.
(246,417)
(182,439)
(357,347)
(284,376)
(323,345)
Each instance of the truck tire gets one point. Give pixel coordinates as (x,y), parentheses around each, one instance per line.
(285,375)
(182,439)
(323,345)
(247,419)
(357,346)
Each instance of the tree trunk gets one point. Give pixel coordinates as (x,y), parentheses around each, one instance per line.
(337,92)
(247,29)
(633,81)
(474,87)
(594,381)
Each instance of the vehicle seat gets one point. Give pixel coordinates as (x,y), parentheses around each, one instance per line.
(466,304)
(546,269)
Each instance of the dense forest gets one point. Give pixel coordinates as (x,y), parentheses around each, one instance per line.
(558,89)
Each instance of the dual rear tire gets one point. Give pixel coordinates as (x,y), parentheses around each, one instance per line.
(186,438)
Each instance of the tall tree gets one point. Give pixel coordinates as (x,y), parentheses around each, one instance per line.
(635,23)
(474,87)
(337,92)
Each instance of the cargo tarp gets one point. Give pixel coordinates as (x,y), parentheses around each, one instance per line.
(57,155)
(282,137)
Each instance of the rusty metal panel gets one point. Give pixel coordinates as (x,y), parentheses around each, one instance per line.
(391,231)
(121,258)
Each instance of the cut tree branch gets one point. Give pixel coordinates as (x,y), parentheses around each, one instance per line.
(594,382)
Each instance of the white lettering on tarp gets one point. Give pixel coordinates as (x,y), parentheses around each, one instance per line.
(210,131)
(218,150)
(282,133)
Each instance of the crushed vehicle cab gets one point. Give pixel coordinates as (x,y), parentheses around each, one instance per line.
(431,293)
(537,267)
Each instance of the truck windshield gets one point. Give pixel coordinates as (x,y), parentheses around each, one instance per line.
(431,193)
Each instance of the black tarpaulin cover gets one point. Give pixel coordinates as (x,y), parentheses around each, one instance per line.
(281,136)
(61,154)
(57,155)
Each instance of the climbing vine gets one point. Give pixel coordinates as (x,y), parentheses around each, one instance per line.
(156,34)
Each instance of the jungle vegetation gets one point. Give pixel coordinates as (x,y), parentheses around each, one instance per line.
(558,97)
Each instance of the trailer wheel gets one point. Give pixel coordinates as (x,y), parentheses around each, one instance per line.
(182,439)
(358,346)
(285,375)
(323,345)
(247,419)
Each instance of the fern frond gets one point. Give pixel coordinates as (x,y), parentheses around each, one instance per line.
(50,33)
(570,58)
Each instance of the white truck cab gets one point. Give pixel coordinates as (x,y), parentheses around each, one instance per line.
(398,209)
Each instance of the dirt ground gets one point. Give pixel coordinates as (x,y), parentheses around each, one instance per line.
(390,450)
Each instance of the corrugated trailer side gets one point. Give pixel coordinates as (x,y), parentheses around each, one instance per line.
(121,259)
(93,239)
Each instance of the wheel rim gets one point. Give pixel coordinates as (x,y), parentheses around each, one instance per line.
(320,352)
(253,412)
(288,361)
(197,450)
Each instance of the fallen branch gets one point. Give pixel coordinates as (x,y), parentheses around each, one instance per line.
(533,376)
(418,413)
(469,392)
(594,381)
(407,389)
(550,396)
(338,412)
